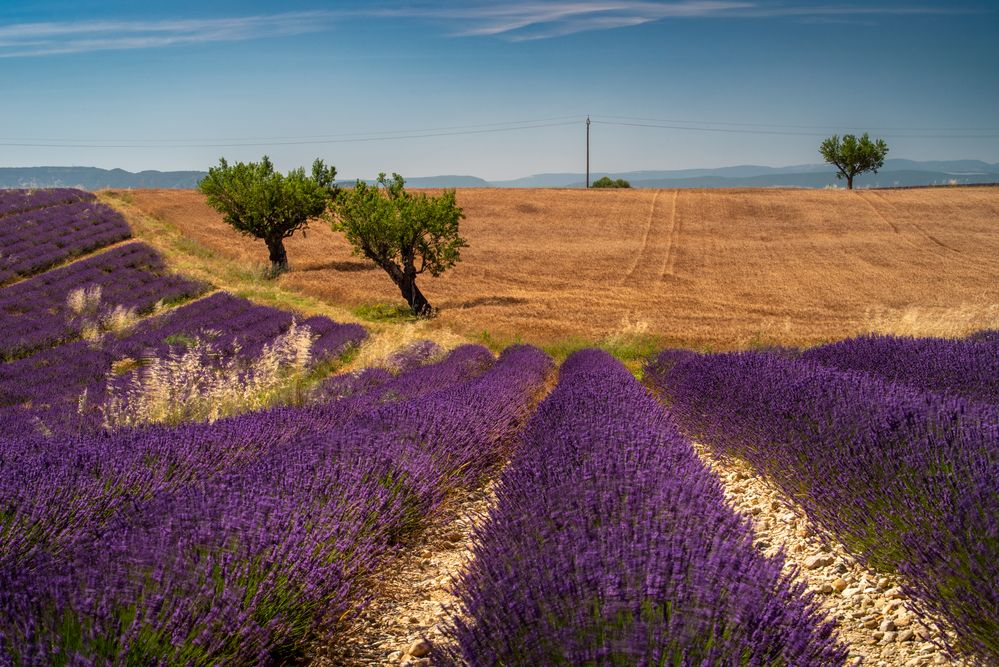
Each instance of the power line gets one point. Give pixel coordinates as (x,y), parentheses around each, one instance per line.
(292,140)
(484,128)
(800,127)
(785,133)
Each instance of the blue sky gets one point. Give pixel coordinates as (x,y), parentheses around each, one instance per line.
(505,87)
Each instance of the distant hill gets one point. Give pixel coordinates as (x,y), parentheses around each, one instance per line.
(92,178)
(896,173)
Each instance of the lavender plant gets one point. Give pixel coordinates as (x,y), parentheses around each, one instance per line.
(966,368)
(610,543)
(35,240)
(234,542)
(37,312)
(905,479)
(14,201)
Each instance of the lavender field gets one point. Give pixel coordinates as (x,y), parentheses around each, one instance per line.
(191,478)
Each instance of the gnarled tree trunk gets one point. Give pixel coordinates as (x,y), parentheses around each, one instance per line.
(414,297)
(278,256)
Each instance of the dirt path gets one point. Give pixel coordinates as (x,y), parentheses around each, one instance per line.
(873,617)
(401,625)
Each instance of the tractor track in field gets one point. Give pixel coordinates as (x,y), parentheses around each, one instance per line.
(922,232)
(669,260)
(658,247)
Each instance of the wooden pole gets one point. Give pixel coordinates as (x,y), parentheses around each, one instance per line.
(587,151)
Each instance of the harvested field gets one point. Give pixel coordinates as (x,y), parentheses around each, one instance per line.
(703,268)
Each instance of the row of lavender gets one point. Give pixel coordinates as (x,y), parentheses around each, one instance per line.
(48,385)
(57,306)
(237,542)
(54,231)
(611,543)
(14,201)
(890,445)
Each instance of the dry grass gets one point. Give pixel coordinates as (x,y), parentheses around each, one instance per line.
(198,384)
(700,268)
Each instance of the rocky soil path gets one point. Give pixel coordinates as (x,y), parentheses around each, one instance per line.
(873,617)
(401,625)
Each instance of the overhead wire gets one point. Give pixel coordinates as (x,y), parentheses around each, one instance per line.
(488,128)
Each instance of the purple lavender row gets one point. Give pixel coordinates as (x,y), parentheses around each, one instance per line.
(378,385)
(35,314)
(610,543)
(966,368)
(907,480)
(247,566)
(53,380)
(34,241)
(104,471)
(18,201)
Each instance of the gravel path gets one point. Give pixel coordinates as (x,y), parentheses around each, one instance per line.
(873,617)
(400,626)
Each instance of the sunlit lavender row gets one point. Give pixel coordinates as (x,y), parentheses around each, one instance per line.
(906,479)
(65,387)
(94,294)
(611,543)
(36,240)
(13,201)
(239,541)
(968,368)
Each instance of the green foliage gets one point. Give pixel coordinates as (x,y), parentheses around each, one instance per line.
(406,234)
(608,182)
(384,312)
(260,202)
(853,156)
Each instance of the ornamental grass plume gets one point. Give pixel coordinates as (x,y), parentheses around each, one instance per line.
(200,383)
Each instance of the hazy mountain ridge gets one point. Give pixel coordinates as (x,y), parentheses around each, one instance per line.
(896,173)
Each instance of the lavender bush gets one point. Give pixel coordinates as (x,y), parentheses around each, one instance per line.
(52,381)
(610,543)
(38,239)
(967,368)
(14,201)
(59,305)
(907,480)
(238,541)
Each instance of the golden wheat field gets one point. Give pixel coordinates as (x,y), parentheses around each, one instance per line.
(702,268)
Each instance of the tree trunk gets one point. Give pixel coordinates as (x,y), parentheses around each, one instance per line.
(278,256)
(414,297)
(849,181)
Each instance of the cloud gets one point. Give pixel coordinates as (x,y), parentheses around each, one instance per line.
(41,39)
(519,20)
(530,20)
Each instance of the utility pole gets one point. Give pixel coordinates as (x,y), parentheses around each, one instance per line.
(587,151)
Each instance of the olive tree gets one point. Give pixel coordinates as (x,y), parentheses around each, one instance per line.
(404,233)
(260,202)
(853,156)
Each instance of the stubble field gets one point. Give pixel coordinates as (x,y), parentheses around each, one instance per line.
(704,268)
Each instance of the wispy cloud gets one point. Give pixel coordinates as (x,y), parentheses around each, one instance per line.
(52,38)
(531,20)
(519,20)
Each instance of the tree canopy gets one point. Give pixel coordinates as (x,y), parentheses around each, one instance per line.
(853,156)
(260,202)
(608,182)
(404,233)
